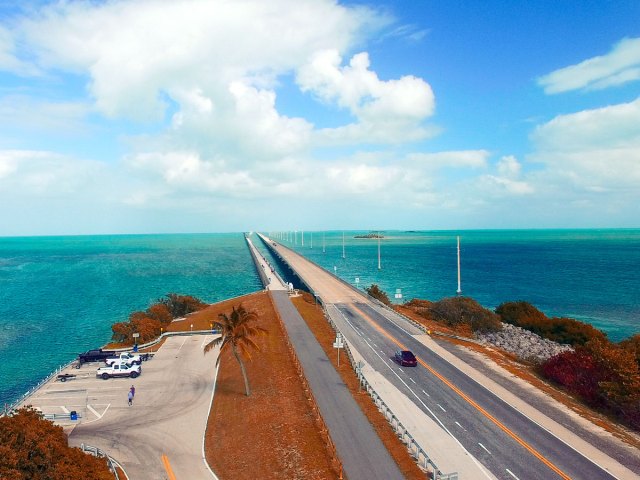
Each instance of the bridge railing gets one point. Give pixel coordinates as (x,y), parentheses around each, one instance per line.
(331,448)
(111,462)
(419,454)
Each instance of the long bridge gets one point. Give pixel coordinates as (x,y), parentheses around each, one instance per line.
(463,417)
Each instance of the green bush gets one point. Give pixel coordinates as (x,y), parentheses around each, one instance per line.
(464,310)
(561,330)
(378,294)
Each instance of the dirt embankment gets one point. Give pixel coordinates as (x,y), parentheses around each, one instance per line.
(271,434)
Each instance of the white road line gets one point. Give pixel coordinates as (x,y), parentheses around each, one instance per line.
(512,474)
(441,407)
(484,448)
(435,417)
(412,380)
(389,320)
(182,344)
(89,407)
(426,393)
(460,426)
(205,340)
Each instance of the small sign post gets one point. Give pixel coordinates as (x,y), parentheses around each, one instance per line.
(359,366)
(338,344)
(135,342)
(398,294)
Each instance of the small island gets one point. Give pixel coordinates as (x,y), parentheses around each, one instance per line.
(370,235)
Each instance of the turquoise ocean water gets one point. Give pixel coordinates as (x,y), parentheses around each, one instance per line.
(60,295)
(589,275)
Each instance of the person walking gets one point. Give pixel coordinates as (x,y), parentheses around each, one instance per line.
(130,397)
(133,391)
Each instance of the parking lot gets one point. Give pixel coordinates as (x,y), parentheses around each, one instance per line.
(82,392)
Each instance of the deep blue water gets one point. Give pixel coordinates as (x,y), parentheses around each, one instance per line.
(60,295)
(589,275)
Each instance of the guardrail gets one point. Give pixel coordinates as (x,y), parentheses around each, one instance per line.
(111,462)
(261,273)
(418,453)
(416,324)
(331,448)
(8,408)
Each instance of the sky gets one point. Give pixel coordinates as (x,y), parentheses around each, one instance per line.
(158,116)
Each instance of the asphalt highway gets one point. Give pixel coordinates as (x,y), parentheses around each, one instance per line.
(161,435)
(509,444)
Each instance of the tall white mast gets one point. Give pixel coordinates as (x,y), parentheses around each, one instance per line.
(459,291)
(323,250)
(343,255)
(379,266)
(302,234)
(311,239)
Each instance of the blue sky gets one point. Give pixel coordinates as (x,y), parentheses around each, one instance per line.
(194,116)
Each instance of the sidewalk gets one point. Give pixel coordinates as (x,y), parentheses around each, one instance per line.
(361,451)
(269,277)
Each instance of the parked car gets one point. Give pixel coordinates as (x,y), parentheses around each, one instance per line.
(94,356)
(133,358)
(406,358)
(119,370)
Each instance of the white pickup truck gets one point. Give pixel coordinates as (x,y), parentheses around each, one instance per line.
(132,358)
(119,370)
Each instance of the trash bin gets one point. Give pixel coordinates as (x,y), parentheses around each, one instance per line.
(73,415)
(135,348)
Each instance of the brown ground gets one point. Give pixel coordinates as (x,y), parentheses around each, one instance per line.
(316,321)
(273,433)
(526,372)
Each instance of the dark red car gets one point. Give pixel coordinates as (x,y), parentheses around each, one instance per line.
(406,358)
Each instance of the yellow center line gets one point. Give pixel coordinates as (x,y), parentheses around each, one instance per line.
(167,467)
(497,422)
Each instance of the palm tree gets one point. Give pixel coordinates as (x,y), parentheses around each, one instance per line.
(236,332)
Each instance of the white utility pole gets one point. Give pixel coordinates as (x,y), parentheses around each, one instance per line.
(459,291)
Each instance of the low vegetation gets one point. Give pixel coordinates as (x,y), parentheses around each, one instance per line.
(237,333)
(150,323)
(561,330)
(272,434)
(603,374)
(32,448)
(375,292)
(459,313)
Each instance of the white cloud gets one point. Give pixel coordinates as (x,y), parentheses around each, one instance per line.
(25,172)
(509,167)
(135,51)
(453,159)
(387,111)
(27,113)
(595,150)
(621,65)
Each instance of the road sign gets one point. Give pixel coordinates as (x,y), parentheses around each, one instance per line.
(339,343)
(398,293)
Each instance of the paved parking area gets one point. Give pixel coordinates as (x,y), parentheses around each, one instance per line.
(161,435)
(90,397)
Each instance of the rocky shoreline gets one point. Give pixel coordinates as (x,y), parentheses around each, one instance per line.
(524,344)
